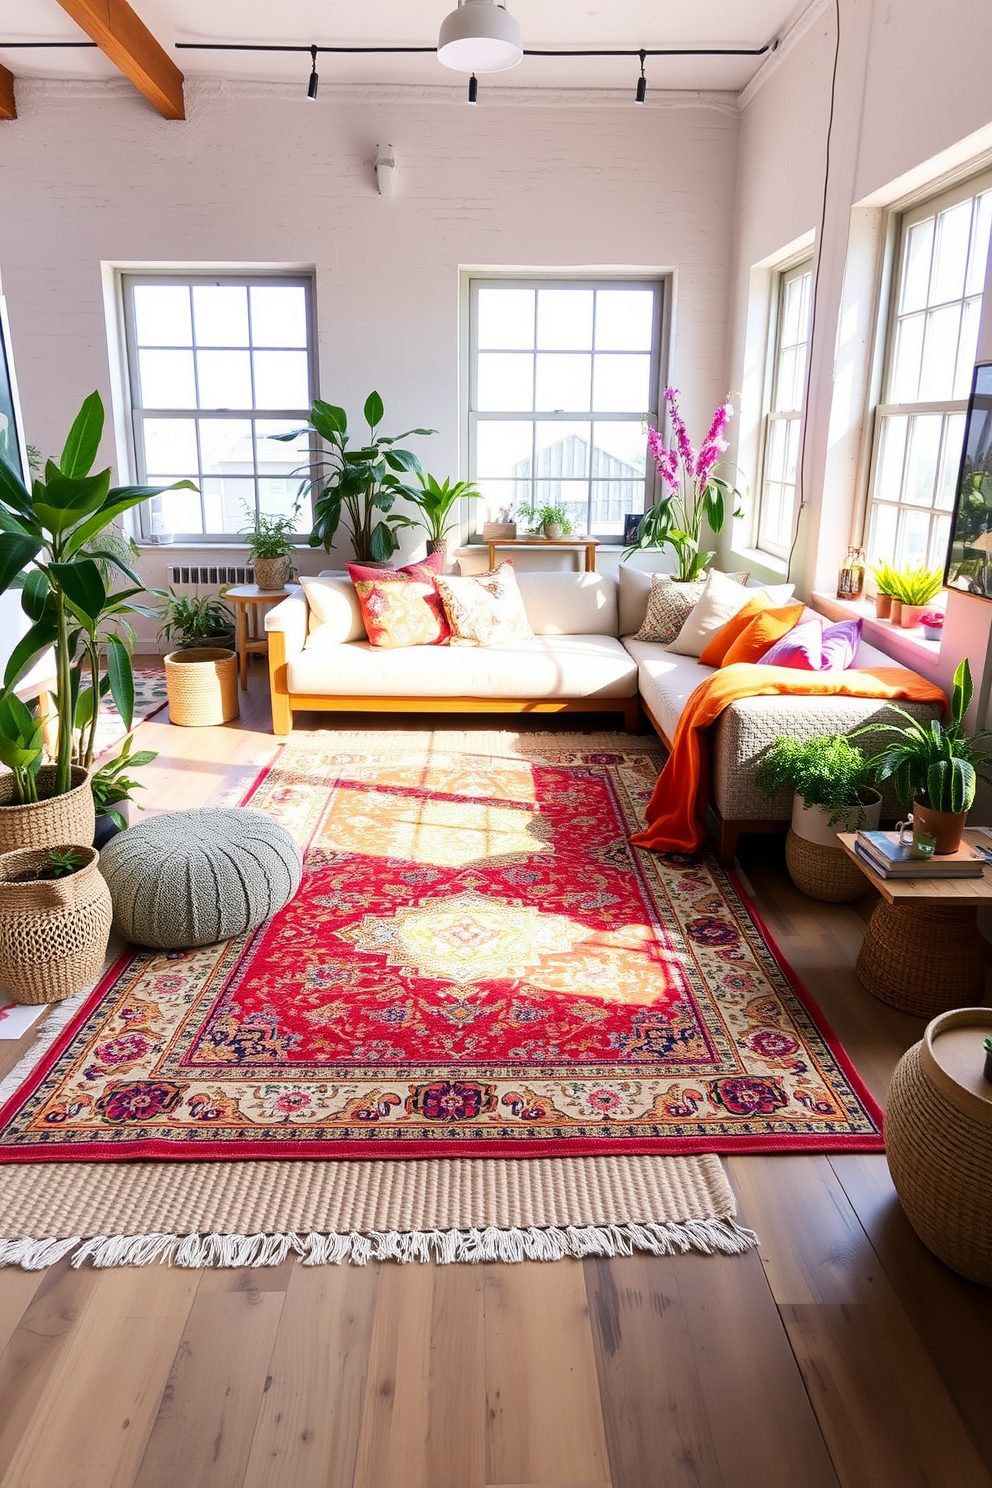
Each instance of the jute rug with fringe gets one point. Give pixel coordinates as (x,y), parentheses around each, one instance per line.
(477,968)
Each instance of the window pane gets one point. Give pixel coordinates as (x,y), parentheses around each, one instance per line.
(500,447)
(166,379)
(619,450)
(161,315)
(967,348)
(282,379)
(225,447)
(277,497)
(891,454)
(225,379)
(506,319)
(882,542)
(220,314)
(562,449)
(499,496)
(951,253)
(505,382)
(228,503)
(180,511)
(621,384)
(170,444)
(612,500)
(562,382)
(778,436)
(272,455)
(278,315)
(792,326)
(564,319)
(921,461)
(940,537)
(940,352)
(624,319)
(775,511)
(572,495)
(789,384)
(914,538)
(978,257)
(950,460)
(906,361)
(916,267)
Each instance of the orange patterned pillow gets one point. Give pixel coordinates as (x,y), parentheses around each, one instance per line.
(764,630)
(401,612)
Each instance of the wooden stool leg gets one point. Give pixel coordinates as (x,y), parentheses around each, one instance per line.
(922,960)
(241,621)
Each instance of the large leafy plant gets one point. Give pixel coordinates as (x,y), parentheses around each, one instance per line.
(937,763)
(692,493)
(360,485)
(827,771)
(50,548)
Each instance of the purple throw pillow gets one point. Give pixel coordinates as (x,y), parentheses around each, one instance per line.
(840,645)
(801,648)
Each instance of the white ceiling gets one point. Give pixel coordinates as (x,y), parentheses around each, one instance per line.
(545,24)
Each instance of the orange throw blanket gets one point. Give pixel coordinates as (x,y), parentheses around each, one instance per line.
(675,811)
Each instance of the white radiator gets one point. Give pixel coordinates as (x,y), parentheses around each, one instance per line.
(196,578)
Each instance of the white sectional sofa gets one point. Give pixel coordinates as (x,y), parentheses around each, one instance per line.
(582,658)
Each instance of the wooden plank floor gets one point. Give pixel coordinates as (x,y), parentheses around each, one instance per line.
(841,1354)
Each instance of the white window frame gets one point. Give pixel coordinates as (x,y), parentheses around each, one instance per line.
(661,286)
(784,274)
(139,412)
(951,409)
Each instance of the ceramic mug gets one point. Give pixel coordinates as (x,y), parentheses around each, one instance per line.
(923,843)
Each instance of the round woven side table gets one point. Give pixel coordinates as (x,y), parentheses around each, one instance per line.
(922,959)
(938,1134)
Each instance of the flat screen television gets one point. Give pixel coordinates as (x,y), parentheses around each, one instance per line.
(969,557)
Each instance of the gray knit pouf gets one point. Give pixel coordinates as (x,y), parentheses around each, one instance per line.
(190,878)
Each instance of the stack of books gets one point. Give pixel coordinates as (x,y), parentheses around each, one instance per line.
(887,857)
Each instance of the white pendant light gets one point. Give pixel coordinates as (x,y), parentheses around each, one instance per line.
(480,36)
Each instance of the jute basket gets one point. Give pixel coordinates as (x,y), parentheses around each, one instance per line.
(54,932)
(825,873)
(52,820)
(938,1133)
(202,684)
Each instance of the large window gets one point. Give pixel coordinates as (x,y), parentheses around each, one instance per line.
(218,364)
(789,345)
(563,375)
(930,357)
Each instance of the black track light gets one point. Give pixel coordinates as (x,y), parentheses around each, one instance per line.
(473,89)
(642,82)
(314,79)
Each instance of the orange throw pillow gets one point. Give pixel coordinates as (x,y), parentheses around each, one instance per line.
(717,646)
(765,629)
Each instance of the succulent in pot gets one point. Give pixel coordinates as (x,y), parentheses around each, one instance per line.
(936,766)
(913,589)
(271,544)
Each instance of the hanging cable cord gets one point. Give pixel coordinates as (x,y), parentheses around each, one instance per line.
(801,464)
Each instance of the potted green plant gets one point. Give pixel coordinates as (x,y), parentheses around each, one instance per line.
(913,589)
(113,790)
(553,522)
(51,548)
(692,493)
(830,779)
(932,622)
(188,620)
(935,767)
(271,543)
(359,485)
(436,501)
(884,577)
(55,916)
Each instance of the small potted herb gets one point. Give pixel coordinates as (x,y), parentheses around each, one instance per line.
(885,578)
(195,620)
(553,522)
(271,542)
(933,624)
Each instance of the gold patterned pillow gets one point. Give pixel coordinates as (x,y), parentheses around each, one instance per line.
(484,609)
(669,604)
(401,612)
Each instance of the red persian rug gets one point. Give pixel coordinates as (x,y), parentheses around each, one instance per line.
(476,964)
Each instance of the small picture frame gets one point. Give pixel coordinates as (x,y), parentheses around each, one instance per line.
(631,527)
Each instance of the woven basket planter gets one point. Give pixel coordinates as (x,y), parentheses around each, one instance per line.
(54,932)
(938,1132)
(825,873)
(271,573)
(51,821)
(202,684)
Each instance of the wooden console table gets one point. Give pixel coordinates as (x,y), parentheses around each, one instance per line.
(590,545)
(922,952)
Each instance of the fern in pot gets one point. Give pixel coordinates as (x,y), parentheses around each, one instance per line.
(271,544)
(830,779)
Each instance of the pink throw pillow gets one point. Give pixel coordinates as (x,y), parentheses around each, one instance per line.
(840,645)
(422,572)
(801,648)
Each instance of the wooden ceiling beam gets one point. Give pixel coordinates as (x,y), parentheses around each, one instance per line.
(8,108)
(127,41)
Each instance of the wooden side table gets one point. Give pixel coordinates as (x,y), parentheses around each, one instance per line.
(922,952)
(247,601)
(588,544)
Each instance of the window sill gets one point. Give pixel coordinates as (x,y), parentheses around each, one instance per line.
(908,646)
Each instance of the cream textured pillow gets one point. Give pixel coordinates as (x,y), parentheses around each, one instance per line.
(719,602)
(484,609)
(333,603)
(669,604)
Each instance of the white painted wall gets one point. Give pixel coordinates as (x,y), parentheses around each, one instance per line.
(259,175)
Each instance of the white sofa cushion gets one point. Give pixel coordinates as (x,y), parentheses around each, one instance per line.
(719,602)
(665,680)
(569,603)
(334,609)
(536,667)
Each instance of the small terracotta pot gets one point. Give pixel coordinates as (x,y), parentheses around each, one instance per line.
(895,609)
(909,616)
(883,606)
(946,826)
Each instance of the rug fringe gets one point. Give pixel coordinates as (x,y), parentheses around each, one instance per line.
(444,1247)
